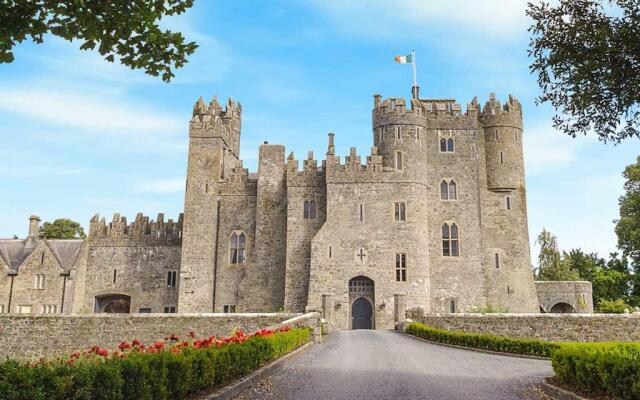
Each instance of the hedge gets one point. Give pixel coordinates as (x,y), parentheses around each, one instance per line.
(170,369)
(482,341)
(609,369)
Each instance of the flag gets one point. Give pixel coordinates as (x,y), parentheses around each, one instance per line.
(408,59)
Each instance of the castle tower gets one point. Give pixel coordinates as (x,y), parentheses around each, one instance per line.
(214,142)
(505,228)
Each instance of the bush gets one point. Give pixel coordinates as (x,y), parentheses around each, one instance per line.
(611,369)
(612,306)
(482,341)
(166,370)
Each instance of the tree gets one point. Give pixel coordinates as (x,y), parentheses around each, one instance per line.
(551,265)
(628,226)
(586,265)
(586,58)
(62,229)
(123,29)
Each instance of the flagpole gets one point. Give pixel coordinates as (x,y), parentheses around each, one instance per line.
(415,80)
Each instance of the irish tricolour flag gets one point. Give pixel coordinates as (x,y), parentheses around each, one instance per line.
(408,59)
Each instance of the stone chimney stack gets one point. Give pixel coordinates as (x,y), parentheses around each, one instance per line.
(331,149)
(34,227)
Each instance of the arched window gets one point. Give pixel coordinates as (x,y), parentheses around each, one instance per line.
(450,145)
(450,240)
(443,145)
(453,195)
(306,210)
(452,306)
(237,246)
(444,190)
(312,209)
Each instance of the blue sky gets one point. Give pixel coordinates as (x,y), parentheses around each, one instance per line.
(82,136)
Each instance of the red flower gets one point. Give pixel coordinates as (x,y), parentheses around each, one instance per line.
(124,345)
(75,355)
(159,345)
(192,335)
(102,352)
(173,337)
(136,342)
(70,362)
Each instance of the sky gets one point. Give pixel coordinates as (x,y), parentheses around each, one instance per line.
(82,136)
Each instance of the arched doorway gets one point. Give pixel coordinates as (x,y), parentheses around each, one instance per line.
(562,308)
(113,304)
(361,300)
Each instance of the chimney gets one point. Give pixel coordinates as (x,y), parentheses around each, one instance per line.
(34,226)
(331,150)
(415,91)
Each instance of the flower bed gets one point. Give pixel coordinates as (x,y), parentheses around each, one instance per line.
(169,369)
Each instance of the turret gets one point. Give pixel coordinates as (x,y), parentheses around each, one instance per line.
(503,144)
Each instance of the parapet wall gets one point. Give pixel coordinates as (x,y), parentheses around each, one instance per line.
(556,327)
(142,231)
(39,336)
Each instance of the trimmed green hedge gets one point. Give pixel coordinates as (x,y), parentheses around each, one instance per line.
(611,369)
(482,341)
(145,376)
(601,368)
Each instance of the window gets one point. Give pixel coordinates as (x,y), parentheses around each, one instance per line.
(398,134)
(452,306)
(42,258)
(229,308)
(401,267)
(361,212)
(144,311)
(171,278)
(330,251)
(448,190)
(206,188)
(400,214)
(509,291)
(418,129)
(497,260)
(379,135)
(238,245)
(115,275)
(399,160)
(39,281)
(507,202)
(501,158)
(450,241)
(25,309)
(170,310)
(515,136)
(497,137)
(309,211)
(446,145)
(49,309)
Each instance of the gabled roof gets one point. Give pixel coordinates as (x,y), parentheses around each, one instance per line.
(66,251)
(15,251)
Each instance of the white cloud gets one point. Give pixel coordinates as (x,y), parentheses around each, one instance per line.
(383,18)
(546,149)
(90,110)
(162,186)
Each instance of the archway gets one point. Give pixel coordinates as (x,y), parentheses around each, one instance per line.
(361,300)
(562,308)
(113,304)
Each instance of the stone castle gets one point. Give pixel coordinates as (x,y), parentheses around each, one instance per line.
(435,218)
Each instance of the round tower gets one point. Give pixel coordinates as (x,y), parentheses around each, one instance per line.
(503,144)
(399,134)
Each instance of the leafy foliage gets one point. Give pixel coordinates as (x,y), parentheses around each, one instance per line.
(124,29)
(617,306)
(62,228)
(628,226)
(482,341)
(611,369)
(586,57)
(551,265)
(160,371)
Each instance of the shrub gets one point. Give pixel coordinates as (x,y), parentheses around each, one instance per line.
(164,370)
(611,369)
(482,341)
(612,306)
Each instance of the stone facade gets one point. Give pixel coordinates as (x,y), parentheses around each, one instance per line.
(565,297)
(436,211)
(556,327)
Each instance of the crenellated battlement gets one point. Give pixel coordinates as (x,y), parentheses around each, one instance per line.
(141,231)
(213,120)
(310,175)
(495,114)
(354,171)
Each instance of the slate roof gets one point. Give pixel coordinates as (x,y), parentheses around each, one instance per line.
(66,251)
(15,251)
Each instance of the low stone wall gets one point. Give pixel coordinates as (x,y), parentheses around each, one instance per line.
(27,336)
(558,327)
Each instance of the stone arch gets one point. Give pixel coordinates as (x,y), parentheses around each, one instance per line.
(562,308)
(113,304)
(361,303)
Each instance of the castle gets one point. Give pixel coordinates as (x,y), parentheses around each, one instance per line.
(436,215)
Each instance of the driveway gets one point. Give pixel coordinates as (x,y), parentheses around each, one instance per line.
(367,364)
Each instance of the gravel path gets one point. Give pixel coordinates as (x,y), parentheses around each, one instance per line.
(366,364)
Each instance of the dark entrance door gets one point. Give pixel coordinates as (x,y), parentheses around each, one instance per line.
(361,313)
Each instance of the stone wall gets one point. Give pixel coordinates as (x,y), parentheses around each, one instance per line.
(24,336)
(565,296)
(558,327)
